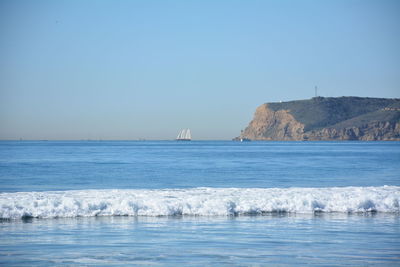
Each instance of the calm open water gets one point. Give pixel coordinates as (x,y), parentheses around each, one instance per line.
(199,203)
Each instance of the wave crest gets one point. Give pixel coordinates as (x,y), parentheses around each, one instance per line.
(198,202)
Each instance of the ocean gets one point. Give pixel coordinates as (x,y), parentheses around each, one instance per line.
(199,203)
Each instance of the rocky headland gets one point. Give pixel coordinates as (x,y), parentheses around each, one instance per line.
(326,118)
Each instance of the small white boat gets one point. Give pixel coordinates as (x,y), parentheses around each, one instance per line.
(184,135)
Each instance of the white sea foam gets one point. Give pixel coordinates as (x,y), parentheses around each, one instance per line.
(198,201)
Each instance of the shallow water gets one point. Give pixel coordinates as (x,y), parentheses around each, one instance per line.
(334,239)
(256,203)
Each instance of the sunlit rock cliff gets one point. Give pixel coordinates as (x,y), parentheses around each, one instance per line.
(326,118)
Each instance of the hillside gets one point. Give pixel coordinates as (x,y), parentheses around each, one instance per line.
(327,118)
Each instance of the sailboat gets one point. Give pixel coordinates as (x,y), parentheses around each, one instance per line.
(184,135)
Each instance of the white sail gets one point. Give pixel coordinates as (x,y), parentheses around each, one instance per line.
(188,135)
(181,134)
(184,134)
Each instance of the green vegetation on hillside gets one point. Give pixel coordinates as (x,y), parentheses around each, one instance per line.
(320,112)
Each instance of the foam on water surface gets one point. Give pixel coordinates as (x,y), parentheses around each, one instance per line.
(198,202)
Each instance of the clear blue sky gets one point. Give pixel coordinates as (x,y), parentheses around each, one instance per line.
(130,69)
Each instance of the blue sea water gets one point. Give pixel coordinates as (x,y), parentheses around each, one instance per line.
(199,203)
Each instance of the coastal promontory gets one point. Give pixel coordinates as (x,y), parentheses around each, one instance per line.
(326,118)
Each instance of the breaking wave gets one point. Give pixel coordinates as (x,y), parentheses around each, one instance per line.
(198,202)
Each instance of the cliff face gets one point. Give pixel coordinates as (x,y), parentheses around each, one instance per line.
(273,125)
(345,118)
(374,131)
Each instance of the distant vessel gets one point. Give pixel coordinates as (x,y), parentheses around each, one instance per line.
(184,135)
(244,139)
